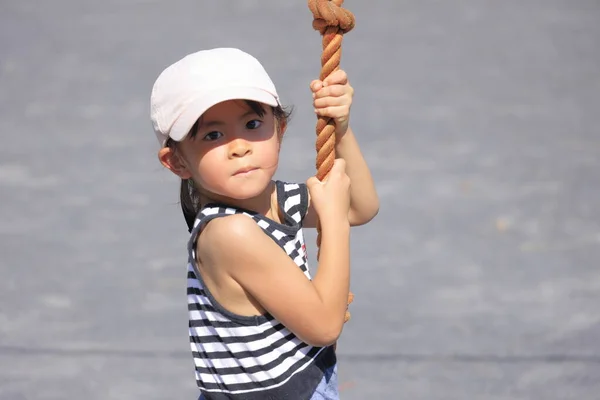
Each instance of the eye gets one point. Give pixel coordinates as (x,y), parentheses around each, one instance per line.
(254,124)
(214,135)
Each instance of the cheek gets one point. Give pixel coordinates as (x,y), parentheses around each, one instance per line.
(209,172)
(270,154)
(270,148)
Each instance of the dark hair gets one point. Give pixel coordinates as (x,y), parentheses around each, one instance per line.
(189,195)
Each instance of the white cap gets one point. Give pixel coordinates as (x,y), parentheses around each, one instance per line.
(186,89)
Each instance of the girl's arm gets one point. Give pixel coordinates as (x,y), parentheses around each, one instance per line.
(312,310)
(364,202)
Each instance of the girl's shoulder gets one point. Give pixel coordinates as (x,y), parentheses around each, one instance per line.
(222,233)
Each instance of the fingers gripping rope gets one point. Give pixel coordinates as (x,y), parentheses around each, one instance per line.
(332,21)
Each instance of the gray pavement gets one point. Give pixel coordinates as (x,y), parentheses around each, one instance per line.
(479,279)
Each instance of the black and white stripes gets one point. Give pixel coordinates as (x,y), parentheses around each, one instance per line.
(236,354)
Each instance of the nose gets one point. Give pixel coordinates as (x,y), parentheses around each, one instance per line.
(239,148)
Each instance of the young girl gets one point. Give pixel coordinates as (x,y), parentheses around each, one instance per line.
(259,327)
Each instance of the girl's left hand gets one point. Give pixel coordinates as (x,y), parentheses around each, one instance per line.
(333,98)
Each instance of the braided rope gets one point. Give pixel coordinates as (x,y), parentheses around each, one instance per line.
(332,21)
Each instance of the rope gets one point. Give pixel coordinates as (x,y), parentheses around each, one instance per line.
(332,21)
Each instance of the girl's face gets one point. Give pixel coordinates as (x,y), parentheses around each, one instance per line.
(234,153)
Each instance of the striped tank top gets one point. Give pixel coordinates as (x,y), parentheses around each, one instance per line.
(254,357)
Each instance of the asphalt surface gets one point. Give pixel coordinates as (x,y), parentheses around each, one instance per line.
(480,277)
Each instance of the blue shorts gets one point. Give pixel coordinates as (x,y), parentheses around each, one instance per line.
(327,389)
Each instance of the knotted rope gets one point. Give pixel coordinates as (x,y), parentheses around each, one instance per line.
(332,21)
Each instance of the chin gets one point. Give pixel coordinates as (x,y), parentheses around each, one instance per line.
(247,193)
(246,189)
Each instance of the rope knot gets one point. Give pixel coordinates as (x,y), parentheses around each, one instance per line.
(329,13)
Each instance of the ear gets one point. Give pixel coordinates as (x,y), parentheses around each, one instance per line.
(281,127)
(171,159)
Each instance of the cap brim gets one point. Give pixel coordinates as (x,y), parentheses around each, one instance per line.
(196,108)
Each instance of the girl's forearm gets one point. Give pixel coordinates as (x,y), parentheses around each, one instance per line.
(332,280)
(364,202)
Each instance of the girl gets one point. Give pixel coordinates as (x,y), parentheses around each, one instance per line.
(259,327)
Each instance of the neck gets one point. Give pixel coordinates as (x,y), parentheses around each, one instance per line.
(261,204)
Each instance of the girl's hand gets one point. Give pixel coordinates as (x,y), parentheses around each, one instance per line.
(331,198)
(333,98)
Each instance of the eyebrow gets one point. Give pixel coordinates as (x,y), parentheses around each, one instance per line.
(210,124)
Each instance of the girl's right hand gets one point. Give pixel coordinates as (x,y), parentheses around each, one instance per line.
(331,198)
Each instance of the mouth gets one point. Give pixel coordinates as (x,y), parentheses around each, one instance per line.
(245,171)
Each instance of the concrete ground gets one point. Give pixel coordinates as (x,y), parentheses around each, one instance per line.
(479,279)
